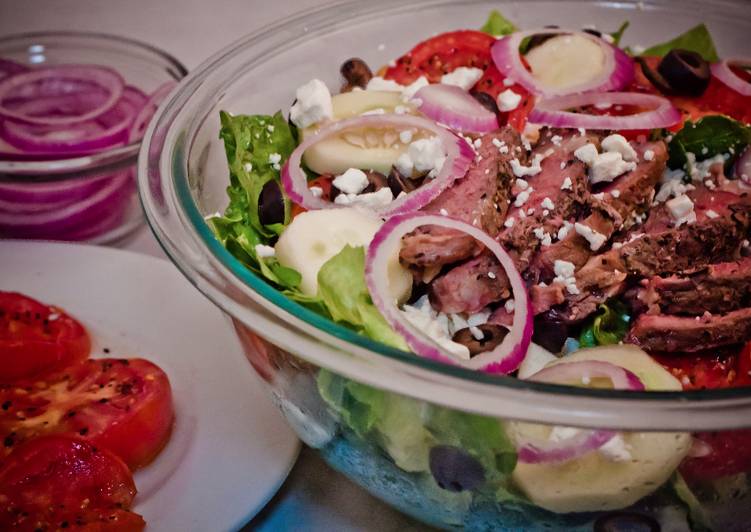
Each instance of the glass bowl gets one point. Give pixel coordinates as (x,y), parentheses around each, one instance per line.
(429,438)
(103,182)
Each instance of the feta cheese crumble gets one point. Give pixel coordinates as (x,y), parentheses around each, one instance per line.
(508,100)
(649,155)
(316,191)
(567,184)
(522,197)
(370,200)
(422,155)
(353,181)
(564,274)
(595,239)
(522,171)
(606,166)
(463,77)
(264,252)
(547,203)
(313,104)
(681,209)
(618,144)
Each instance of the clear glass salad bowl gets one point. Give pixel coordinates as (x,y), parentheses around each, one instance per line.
(424,436)
(84,197)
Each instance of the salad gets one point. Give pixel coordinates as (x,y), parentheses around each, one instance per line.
(543,204)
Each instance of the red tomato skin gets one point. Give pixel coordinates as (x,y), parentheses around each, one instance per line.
(52,479)
(442,54)
(730,454)
(34,346)
(121,405)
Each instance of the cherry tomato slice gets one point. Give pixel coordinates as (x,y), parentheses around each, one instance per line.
(56,482)
(36,339)
(121,405)
(724,368)
(442,54)
(729,454)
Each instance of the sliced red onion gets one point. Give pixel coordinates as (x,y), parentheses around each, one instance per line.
(584,370)
(504,358)
(113,195)
(105,131)
(8,68)
(535,451)
(459,155)
(743,166)
(724,72)
(553,111)
(149,107)
(617,72)
(59,81)
(455,107)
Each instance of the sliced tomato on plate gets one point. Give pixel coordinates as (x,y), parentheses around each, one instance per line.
(725,368)
(37,339)
(324,183)
(121,405)
(58,482)
(442,54)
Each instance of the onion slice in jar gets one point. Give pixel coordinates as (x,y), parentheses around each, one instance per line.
(724,72)
(455,107)
(142,119)
(582,442)
(459,156)
(617,71)
(505,357)
(8,68)
(554,111)
(58,81)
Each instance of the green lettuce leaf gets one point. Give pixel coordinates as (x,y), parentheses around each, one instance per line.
(697,39)
(608,327)
(497,25)
(617,35)
(696,516)
(706,138)
(342,289)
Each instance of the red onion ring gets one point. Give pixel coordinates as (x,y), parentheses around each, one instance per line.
(542,451)
(106,131)
(59,80)
(149,107)
(507,356)
(8,68)
(112,195)
(551,112)
(459,156)
(724,73)
(453,106)
(618,70)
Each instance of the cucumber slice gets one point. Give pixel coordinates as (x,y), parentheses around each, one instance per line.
(566,61)
(367,149)
(595,482)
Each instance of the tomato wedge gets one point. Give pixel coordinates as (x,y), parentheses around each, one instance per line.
(37,339)
(707,371)
(442,54)
(56,482)
(121,405)
(729,454)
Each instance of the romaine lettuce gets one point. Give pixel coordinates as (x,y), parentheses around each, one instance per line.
(697,39)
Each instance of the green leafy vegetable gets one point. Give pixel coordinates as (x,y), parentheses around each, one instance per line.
(608,327)
(697,39)
(342,289)
(617,35)
(708,137)
(497,25)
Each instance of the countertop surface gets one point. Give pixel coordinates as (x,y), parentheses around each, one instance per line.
(314,496)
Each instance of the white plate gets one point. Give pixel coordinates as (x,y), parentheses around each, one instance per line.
(230,449)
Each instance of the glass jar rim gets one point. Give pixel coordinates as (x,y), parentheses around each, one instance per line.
(187,239)
(120,156)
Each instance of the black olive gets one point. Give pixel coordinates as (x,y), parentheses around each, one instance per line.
(620,521)
(592,31)
(454,469)
(537,40)
(550,331)
(492,335)
(376,181)
(271,204)
(686,72)
(654,77)
(487,101)
(356,73)
(398,183)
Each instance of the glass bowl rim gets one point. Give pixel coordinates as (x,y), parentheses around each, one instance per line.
(730,401)
(119,156)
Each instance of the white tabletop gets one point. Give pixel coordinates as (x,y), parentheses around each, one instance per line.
(314,497)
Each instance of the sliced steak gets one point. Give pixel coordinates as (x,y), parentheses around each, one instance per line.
(627,197)
(668,334)
(480,198)
(471,286)
(722,287)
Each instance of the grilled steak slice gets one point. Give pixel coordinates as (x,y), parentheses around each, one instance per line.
(471,286)
(480,198)
(628,196)
(667,333)
(720,288)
